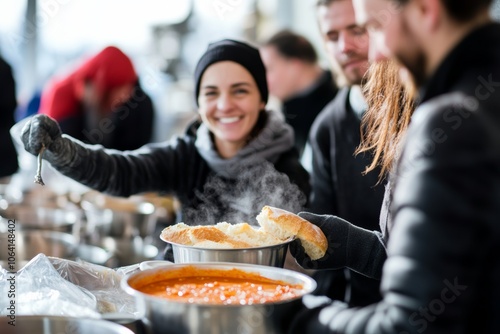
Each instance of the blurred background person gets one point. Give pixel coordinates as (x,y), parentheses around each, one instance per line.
(297,80)
(339,185)
(8,104)
(101,102)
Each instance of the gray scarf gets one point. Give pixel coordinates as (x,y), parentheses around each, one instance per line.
(274,139)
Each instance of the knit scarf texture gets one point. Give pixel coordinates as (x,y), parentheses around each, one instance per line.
(274,139)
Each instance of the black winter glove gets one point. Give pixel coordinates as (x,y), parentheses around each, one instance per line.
(335,230)
(349,246)
(107,171)
(41,130)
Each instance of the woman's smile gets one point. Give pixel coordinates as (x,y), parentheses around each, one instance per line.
(229,120)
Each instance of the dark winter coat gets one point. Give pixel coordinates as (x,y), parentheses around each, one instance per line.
(442,270)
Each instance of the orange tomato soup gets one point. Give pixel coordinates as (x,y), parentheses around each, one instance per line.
(214,286)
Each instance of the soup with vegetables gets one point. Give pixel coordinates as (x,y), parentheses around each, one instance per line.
(215,286)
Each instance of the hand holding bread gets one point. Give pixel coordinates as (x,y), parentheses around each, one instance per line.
(284,224)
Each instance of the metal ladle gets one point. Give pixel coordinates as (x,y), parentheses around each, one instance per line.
(38,176)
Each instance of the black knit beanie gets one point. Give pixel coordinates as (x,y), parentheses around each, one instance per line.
(239,52)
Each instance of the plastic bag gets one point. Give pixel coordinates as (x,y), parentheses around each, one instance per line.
(102,282)
(38,289)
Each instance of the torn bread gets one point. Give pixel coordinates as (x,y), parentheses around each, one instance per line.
(222,235)
(284,224)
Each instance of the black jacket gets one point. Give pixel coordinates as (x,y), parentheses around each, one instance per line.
(301,110)
(8,103)
(340,188)
(177,168)
(443,268)
(338,184)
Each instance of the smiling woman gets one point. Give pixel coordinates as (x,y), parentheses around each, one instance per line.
(230,105)
(232,94)
(235,159)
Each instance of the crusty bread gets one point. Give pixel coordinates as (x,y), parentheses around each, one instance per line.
(177,233)
(276,226)
(246,233)
(222,235)
(284,224)
(278,222)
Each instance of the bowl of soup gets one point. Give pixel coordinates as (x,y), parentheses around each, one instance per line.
(217,297)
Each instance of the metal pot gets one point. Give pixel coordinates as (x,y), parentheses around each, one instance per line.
(119,221)
(30,217)
(128,251)
(28,244)
(161,315)
(54,324)
(273,255)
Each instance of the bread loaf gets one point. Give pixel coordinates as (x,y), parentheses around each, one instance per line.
(276,226)
(222,235)
(284,224)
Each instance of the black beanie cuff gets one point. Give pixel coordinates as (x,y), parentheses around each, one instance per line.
(238,52)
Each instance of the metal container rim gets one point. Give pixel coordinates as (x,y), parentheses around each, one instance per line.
(100,323)
(286,242)
(308,282)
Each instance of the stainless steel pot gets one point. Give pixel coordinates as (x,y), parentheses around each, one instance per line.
(129,251)
(123,222)
(122,226)
(54,324)
(166,316)
(28,244)
(30,217)
(273,256)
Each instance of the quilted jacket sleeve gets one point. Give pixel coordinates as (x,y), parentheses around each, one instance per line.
(154,167)
(440,272)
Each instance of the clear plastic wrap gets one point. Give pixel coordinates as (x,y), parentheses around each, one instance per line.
(102,282)
(55,286)
(39,289)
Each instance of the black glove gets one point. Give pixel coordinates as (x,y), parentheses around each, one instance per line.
(91,165)
(40,130)
(349,246)
(336,231)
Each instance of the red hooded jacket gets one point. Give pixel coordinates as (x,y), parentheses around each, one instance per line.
(108,69)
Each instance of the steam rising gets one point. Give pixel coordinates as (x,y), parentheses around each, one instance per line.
(241,200)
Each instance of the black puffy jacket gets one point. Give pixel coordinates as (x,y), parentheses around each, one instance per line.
(442,273)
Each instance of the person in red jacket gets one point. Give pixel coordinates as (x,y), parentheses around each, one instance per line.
(101,102)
